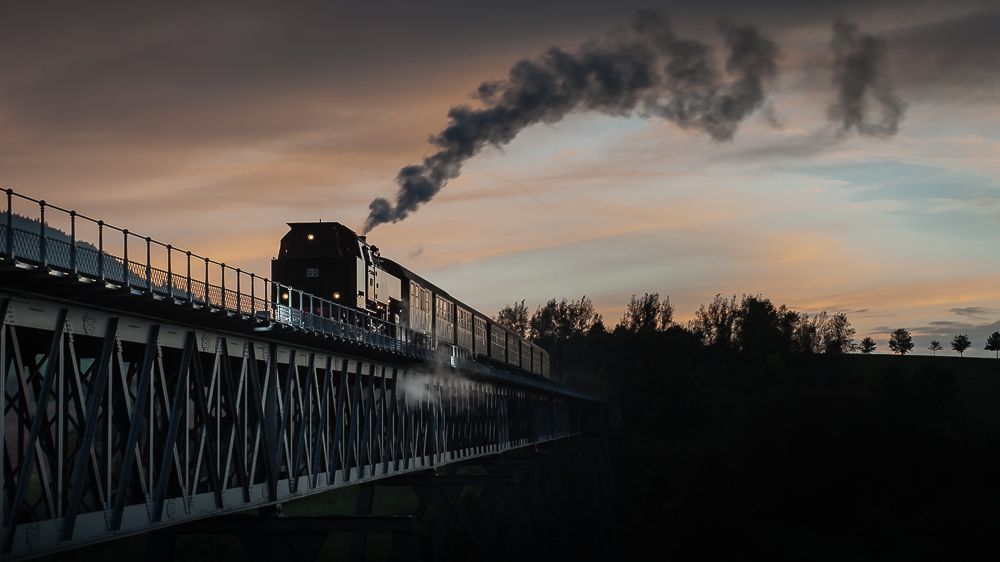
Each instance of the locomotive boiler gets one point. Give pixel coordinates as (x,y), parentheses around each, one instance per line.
(330,261)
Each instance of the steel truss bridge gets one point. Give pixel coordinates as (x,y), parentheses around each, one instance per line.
(142,397)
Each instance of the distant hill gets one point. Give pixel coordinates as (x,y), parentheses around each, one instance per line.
(33,225)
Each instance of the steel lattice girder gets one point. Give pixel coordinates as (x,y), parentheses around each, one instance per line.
(115,425)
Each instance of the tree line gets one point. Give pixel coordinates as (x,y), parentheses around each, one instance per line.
(750,325)
(901,342)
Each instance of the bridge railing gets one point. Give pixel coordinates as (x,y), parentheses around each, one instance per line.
(331,318)
(165,271)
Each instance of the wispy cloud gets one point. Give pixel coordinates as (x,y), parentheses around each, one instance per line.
(973,311)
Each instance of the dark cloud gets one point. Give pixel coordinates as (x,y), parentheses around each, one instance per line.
(939,324)
(651,71)
(960,56)
(205,68)
(860,79)
(119,92)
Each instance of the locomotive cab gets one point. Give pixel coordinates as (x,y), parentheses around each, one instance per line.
(332,262)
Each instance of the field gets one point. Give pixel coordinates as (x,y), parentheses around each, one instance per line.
(844,457)
(977,378)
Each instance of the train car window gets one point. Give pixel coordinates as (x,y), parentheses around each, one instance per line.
(480,343)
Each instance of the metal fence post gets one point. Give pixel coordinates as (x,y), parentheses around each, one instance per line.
(149,268)
(170,272)
(239,307)
(208,300)
(72,240)
(100,250)
(10,224)
(190,300)
(224,309)
(253,301)
(125,266)
(41,242)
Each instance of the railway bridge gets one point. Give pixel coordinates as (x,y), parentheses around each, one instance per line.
(147,389)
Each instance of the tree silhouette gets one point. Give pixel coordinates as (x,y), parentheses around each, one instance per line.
(560,320)
(716,323)
(647,313)
(961,343)
(867,345)
(514,317)
(809,332)
(900,341)
(760,328)
(935,346)
(838,335)
(993,343)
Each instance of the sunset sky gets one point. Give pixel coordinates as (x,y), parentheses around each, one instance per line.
(211,125)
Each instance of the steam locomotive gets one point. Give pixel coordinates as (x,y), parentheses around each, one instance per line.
(331,261)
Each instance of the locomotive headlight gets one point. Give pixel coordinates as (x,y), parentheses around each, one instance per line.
(336,295)
(310,237)
(284,297)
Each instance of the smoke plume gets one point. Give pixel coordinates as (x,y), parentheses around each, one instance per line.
(648,71)
(859,79)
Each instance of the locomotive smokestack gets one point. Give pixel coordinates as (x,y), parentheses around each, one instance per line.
(648,71)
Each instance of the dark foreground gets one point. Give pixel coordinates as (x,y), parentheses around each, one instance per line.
(802,457)
(725,455)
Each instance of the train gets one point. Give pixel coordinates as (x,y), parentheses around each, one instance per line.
(331,261)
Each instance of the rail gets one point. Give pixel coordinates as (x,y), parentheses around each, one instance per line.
(187,278)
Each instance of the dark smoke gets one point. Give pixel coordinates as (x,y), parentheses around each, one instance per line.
(649,71)
(858,77)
